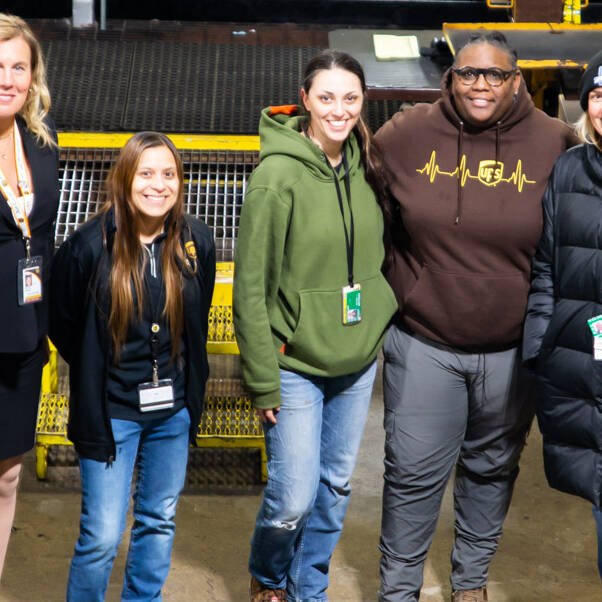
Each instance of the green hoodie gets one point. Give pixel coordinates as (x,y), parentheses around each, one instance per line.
(291,264)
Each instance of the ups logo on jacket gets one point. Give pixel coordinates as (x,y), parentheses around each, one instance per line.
(489,172)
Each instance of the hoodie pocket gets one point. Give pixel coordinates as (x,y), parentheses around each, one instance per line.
(468,309)
(320,339)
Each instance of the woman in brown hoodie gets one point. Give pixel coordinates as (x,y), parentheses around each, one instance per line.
(468,173)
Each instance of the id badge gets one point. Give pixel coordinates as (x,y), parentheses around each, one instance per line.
(595,325)
(153,397)
(29,280)
(352,304)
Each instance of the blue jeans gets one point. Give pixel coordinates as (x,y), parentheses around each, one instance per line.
(159,450)
(598,517)
(311,455)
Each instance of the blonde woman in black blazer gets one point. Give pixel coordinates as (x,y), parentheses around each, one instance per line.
(28,207)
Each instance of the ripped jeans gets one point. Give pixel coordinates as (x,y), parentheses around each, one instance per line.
(311,455)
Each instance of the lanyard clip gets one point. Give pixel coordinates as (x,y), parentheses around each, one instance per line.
(27,247)
(155,328)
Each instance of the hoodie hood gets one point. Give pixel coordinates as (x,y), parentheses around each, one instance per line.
(281,133)
(520,108)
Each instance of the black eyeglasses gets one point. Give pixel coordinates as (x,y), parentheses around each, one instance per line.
(493,76)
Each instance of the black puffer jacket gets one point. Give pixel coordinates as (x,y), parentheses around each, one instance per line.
(566,290)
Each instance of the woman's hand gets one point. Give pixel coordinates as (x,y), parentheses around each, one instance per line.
(268,415)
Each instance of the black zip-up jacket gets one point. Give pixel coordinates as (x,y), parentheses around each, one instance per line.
(79,328)
(566,291)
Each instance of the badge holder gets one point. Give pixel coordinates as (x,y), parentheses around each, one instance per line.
(595,325)
(29,277)
(352,304)
(155,396)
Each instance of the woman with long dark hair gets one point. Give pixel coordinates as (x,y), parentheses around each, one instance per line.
(28,204)
(310,309)
(130,298)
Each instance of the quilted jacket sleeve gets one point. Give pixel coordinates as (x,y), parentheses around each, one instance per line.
(540,305)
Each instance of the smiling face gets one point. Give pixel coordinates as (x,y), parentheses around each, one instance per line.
(15,76)
(594,109)
(334,103)
(480,103)
(155,189)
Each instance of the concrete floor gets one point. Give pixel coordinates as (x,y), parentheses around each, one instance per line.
(547,553)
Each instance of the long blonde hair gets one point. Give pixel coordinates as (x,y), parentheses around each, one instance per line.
(127,270)
(587,132)
(37,103)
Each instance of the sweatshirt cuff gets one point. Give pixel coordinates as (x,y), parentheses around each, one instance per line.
(267,401)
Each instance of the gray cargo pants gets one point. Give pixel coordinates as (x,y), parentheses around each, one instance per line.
(446,408)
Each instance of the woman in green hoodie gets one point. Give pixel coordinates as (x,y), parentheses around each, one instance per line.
(310,308)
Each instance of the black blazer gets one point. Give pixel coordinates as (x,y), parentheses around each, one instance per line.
(23,327)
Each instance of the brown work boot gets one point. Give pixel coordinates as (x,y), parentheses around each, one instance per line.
(258,592)
(470,595)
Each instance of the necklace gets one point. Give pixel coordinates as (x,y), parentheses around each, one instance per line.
(332,160)
(8,136)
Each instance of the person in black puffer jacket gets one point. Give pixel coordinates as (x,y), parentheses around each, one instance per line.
(566,293)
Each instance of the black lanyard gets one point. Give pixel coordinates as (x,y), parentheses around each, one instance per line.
(349,236)
(155,327)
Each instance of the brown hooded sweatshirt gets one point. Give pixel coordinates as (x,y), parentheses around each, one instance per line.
(470,200)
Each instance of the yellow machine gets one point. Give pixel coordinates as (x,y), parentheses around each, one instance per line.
(571,9)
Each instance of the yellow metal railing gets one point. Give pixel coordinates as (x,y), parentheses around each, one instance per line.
(181,141)
(500,3)
(571,10)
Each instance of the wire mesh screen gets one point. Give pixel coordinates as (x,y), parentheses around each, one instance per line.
(214,188)
(82,173)
(185,87)
(89,82)
(215,184)
(119,85)
(376,112)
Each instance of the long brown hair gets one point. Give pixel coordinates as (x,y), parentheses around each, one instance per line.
(128,262)
(377,174)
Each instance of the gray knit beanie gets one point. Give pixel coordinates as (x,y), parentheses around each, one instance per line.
(591,78)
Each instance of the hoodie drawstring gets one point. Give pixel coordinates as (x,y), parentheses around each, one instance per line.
(459,161)
(497,141)
(459,200)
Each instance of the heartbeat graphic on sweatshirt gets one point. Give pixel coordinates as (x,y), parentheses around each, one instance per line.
(490,173)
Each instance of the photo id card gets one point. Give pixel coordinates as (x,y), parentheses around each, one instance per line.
(29,280)
(153,397)
(352,304)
